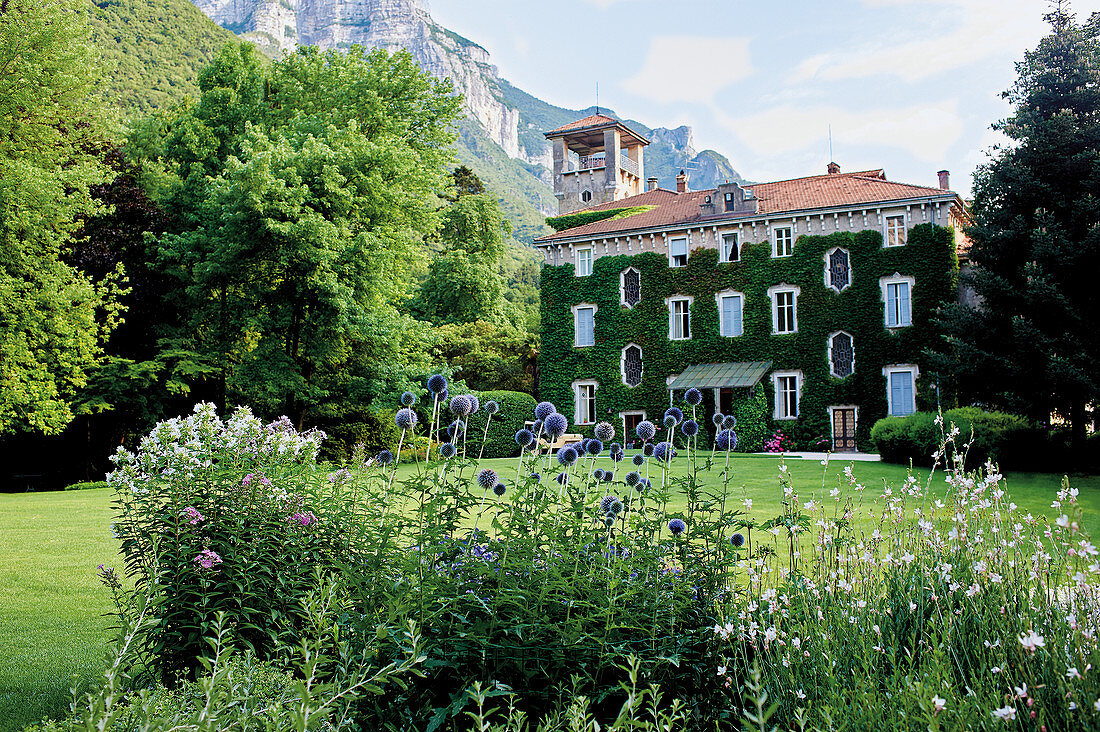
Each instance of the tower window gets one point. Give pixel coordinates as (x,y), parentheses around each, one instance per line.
(586,196)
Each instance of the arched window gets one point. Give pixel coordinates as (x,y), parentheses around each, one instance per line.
(630,283)
(632,365)
(838,270)
(842,355)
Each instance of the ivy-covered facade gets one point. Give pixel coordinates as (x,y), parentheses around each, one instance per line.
(820,312)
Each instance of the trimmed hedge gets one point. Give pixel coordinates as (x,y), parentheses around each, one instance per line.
(997,436)
(87,485)
(515,408)
(573,220)
(928,256)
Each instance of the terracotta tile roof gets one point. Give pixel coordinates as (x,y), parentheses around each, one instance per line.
(799,194)
(591,120)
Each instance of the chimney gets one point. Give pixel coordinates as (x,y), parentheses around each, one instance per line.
(681,182)
(833,169)
(651,183)
(945,180)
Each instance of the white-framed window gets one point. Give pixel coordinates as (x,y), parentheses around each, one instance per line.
(894,235)
(842,354)
(584,324)
(586,196)
(788,392)
(782,241)
(630,365)
(584,401)
(784,299)
(678,252)
(584,261)
(679,317)
(630,287)
(901,388)
(897,297)
(729,250)
(730,202)
(731,306)
(838,269)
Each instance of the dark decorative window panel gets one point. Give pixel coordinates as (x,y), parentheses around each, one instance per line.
(843,355)
(632,366)
(632,287)
(839,269)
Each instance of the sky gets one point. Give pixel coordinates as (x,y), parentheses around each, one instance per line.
(910,86)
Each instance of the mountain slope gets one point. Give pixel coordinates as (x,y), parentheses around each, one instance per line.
(153,50)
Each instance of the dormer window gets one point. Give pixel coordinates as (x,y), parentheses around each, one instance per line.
(731,202)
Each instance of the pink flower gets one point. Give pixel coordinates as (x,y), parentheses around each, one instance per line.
(192,515)
(246,481)
(207,559)
(303,519)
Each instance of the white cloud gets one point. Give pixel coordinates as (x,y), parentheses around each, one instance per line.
(941,38)
(690,68)
(924,131)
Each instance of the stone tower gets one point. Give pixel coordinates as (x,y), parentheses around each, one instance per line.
(597,159)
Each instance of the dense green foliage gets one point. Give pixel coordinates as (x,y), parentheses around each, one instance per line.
(300,191)
(152,50)
(1031,346)
(53,319)
(573,220)
(1003,438)
(515,408)
(928,256)
(488,355)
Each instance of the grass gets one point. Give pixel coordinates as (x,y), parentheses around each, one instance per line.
(54,622)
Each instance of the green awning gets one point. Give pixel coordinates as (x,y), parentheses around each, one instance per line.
(721,375)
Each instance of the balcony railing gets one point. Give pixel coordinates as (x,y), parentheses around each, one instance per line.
(592,163)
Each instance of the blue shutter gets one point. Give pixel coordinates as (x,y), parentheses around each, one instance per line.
(901,393)
(585,336)
(731,315)
(904,313)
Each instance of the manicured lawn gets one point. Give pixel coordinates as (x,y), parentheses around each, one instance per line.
(54,615)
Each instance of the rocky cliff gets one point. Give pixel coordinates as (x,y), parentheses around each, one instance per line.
(502,115)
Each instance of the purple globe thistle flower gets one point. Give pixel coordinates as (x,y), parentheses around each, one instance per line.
(598,474)
(638,459)
(614,447)
(647,449)
(676,413)
(607,504)
(499,489)
(738,540)
(717,419)
(385,457)
(726,440)
(633,478)
(444,394)
(563,478)
(461,405)
(475,403)
(618,456)
(492,407)
(437,383)
(544,410)
(405,418)
(693,396)
(555,424)
(524,437)
(535,477)
(567,455)
(486,478)
(448,450)
(536,426)
(677,526)
(609,520)
(604,432)
(645,483)
(729,422)
(664,451)
(408,398)
(593,447)
(669,421)
(456,429)
(617,506)
(690,427)
(608,476)
(645,430)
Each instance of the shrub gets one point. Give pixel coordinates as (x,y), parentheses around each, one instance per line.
(227,517)
(375,430)
(515,408)
(995,436)
(88,485)
(751,411)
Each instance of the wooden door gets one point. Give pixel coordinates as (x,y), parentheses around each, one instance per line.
(844,429)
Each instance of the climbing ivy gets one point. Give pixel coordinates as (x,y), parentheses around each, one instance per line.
(573,220)
(928,256)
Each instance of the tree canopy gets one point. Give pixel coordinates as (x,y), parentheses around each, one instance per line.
(1032,345)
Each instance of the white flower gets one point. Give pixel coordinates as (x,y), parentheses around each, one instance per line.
(747,503)
(1096,705)
(1005,713)
(1021,691)
(938,702)
(1062,520)
(1073,673)
(1031,641)
(721,670)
